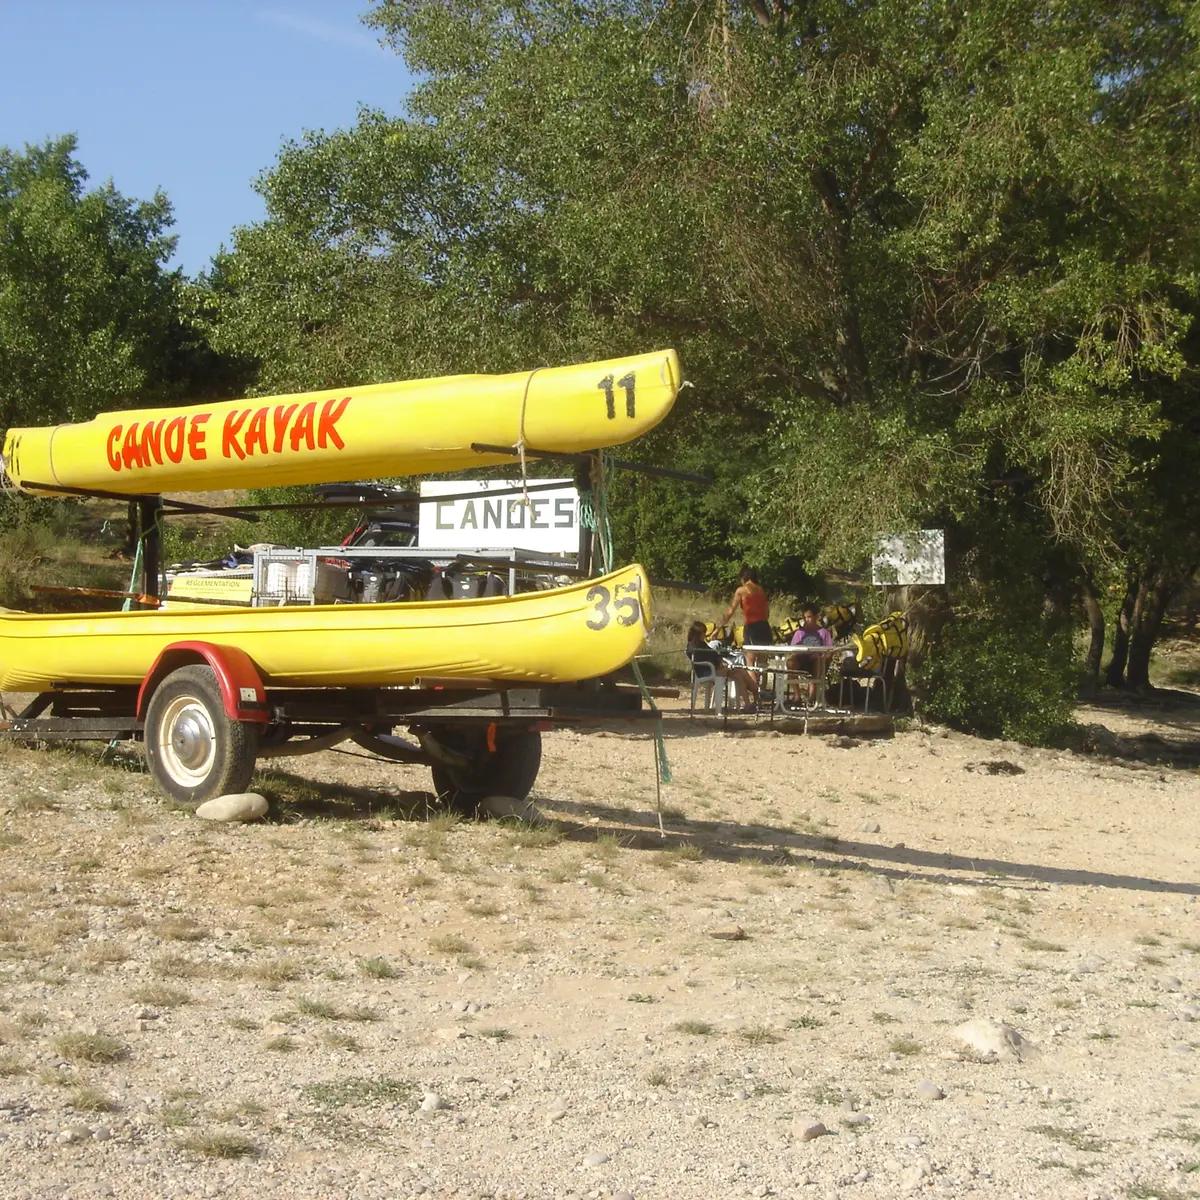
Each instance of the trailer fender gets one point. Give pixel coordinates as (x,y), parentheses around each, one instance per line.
(242,690)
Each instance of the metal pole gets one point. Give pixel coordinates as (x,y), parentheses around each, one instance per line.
(149,528)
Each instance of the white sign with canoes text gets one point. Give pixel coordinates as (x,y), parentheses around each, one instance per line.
(547,522)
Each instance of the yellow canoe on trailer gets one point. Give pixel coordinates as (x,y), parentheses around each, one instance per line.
(379,430)
(557,636)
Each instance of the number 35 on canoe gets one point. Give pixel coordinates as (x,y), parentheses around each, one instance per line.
(415,427)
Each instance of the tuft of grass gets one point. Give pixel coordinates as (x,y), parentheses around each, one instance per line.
(161,995)
(219,1144)
(1146,940)
(283,1044)
(1070,1137)
(11,1065)
(641,998)
(659,1078)
(276,970)
(175,966)
(178,1114)
(805,1021)
(882,1018)
(1039,944)
(356,1091)
(449,943)
(530,836)
(243,1023)
(308,1007)
(91,1100)
(90,1047)
(378,968)
(694,1028)
(496,1035)
(341,1041)
(181,929)
(759,1035)
(905,1047)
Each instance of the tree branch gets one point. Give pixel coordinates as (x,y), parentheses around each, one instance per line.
(849,332)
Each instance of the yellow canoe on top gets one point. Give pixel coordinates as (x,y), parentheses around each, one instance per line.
(411,428)
(558,636)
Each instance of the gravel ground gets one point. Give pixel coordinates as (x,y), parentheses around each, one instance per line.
(358,999)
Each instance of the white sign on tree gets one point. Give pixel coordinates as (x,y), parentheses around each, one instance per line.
(907,558)
(547,522)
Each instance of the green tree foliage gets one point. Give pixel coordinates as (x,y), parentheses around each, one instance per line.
(926,264)
(90,318)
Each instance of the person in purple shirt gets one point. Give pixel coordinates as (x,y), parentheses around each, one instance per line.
(810,633)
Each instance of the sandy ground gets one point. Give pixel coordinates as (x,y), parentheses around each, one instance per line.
(355,1000)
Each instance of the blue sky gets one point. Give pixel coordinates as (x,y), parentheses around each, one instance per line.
(193,97)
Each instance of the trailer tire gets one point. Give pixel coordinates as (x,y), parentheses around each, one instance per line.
(195,751)
(510,770)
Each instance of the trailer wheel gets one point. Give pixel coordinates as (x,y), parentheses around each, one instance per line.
(193,749)
(510,770)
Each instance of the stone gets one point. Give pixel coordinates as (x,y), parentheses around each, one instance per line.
(237,806)
(1172,983)
(506,806)
(450,1033)
(622,1195)
(595,1158)
(871,827)
(432,1102)
(994,1041)
(926,1090)
(810,1131)
(912,1177)
(1189,1012)
(856,1119)
(728,933)
(101,1133)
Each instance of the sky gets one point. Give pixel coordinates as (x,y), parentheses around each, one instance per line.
(194,97)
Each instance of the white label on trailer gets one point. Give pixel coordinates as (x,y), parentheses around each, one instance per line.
(547,522)
(248,694)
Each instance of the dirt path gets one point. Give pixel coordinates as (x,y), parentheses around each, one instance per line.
(292,994)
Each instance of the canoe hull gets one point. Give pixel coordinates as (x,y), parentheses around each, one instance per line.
(412,428)
(557,636)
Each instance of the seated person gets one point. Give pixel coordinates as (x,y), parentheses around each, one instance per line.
(810,633)
(700,651)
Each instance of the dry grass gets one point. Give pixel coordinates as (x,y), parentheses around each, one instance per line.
(91,1100)
(160,995)
(217,1144)
(90,1047)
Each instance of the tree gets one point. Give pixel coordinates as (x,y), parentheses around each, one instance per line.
(926,264)
(90,318)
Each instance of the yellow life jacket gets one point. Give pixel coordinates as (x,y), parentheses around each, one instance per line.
(887,639)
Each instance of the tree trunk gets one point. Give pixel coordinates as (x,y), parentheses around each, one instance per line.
(1153,598)
(1095,617)
(1115,675)
(927,610)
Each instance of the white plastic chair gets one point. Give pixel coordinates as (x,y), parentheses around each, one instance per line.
(706,676)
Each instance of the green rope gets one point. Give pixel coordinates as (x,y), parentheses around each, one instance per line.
(134,577)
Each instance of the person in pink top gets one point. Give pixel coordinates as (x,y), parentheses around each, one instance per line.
(811,633)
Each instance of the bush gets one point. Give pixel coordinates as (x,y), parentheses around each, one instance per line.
(1003,677)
